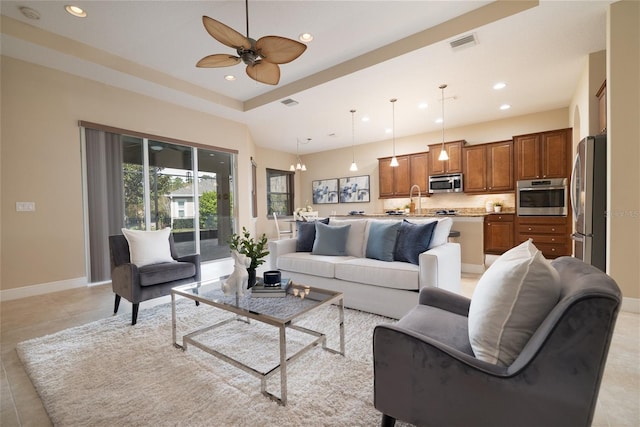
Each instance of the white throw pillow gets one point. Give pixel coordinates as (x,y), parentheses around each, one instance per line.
(509,303)
(148,247)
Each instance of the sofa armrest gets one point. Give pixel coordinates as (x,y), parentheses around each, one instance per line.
(125,281)
(280,247)
(194,259)
(441,267)
(445,300)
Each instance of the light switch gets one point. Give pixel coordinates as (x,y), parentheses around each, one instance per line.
(25,206)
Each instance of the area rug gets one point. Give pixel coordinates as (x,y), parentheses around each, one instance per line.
(110,373)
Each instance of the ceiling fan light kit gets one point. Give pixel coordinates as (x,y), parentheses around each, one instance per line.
(261,56)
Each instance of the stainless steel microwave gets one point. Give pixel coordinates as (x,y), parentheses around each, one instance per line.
(448,183)
(542,197)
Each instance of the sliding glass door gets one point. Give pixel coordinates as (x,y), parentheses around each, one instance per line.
(149,184)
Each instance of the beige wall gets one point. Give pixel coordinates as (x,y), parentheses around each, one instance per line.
(623,128)
(41,162)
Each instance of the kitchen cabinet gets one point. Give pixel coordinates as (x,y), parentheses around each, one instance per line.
(394,181)
(602,108)
(453,165)
(419,171)
(543,155)
(550,234)
(488,168)
(499,233)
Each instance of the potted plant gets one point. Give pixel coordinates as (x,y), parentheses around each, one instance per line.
(497,206)
(254,249)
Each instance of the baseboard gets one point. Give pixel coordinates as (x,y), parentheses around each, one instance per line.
(42,288)
(472,268)
(631,305)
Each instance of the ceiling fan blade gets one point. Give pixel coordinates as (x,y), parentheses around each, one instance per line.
(225,35)
(279,50)
(218,60)
(264,72)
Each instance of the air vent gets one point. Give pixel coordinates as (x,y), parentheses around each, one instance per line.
(289,102)
(464,41)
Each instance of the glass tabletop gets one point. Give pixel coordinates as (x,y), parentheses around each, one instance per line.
(299,300)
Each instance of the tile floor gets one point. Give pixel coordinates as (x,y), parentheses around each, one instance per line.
(26,318)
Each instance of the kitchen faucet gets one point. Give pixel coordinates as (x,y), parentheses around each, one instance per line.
(419,197)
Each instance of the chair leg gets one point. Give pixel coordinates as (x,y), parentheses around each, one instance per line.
(117,304)
(387,421)
(197,303)
(134,315)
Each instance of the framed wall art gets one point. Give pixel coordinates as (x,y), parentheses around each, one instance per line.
(355,189)
(325,191)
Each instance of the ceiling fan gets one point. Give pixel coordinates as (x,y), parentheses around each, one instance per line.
(262,56)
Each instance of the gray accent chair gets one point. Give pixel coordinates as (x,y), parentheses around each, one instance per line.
(137,284)
(425,372)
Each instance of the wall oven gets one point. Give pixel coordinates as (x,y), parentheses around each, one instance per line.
(542,197)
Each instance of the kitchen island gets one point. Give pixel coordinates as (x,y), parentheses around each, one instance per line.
(468,222)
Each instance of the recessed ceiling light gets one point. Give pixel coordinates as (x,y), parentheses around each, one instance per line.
(305,37)
(365,118)
(29,13)
(505,106)
(388,130)
(229,78)
(499,86)
(423,105)
(76,11)
(438,120)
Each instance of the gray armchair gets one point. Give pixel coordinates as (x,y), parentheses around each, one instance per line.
(425,371)
(137,284)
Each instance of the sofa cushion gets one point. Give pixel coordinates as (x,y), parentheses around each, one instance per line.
(306,233)
(382,239)
(315,265)
(413,239)
(154,274)
(397,275)
(355,241)
(148,247)
(509,303)
(330,239)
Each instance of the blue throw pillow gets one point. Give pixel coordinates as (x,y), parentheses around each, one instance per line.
(413,239)
(331,239)
(307,234)
(382,239)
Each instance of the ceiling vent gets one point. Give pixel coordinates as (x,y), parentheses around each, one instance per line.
(464,41)
(289,102)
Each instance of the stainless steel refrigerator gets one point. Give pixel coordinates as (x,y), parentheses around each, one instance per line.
(589,201)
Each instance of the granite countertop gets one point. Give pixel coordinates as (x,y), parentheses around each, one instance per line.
(461,212)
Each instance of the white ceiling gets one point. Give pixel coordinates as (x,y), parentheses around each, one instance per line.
(539,52)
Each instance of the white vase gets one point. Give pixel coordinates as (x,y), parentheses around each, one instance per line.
(497,208)
(489,206)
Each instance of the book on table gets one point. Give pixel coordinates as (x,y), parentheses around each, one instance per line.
(260,290)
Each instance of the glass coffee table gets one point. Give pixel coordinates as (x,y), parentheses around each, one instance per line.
(280,312)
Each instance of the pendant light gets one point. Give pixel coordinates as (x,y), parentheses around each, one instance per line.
(394,161)
(299,165)
(354,167)
(443,153)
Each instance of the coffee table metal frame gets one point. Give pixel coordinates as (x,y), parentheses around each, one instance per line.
(192,291)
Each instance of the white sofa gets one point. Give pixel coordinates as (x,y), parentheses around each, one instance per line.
(388,288)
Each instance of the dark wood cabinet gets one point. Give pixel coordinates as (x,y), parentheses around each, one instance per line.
(394,181)
(543,155)
(453,165)
(499,233)
(419,171)
(488,168)
(550,234)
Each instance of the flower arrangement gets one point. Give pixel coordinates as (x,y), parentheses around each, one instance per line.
(245,244)
(308,208)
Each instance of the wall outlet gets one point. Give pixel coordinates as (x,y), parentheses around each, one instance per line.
(25,206)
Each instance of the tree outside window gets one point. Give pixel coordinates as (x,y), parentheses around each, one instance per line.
(279,192)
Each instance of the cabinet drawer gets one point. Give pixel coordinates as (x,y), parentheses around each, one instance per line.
(553,251)
(542,229)
(547,238)
(499,218)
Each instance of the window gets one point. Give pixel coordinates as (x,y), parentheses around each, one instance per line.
(279,192)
